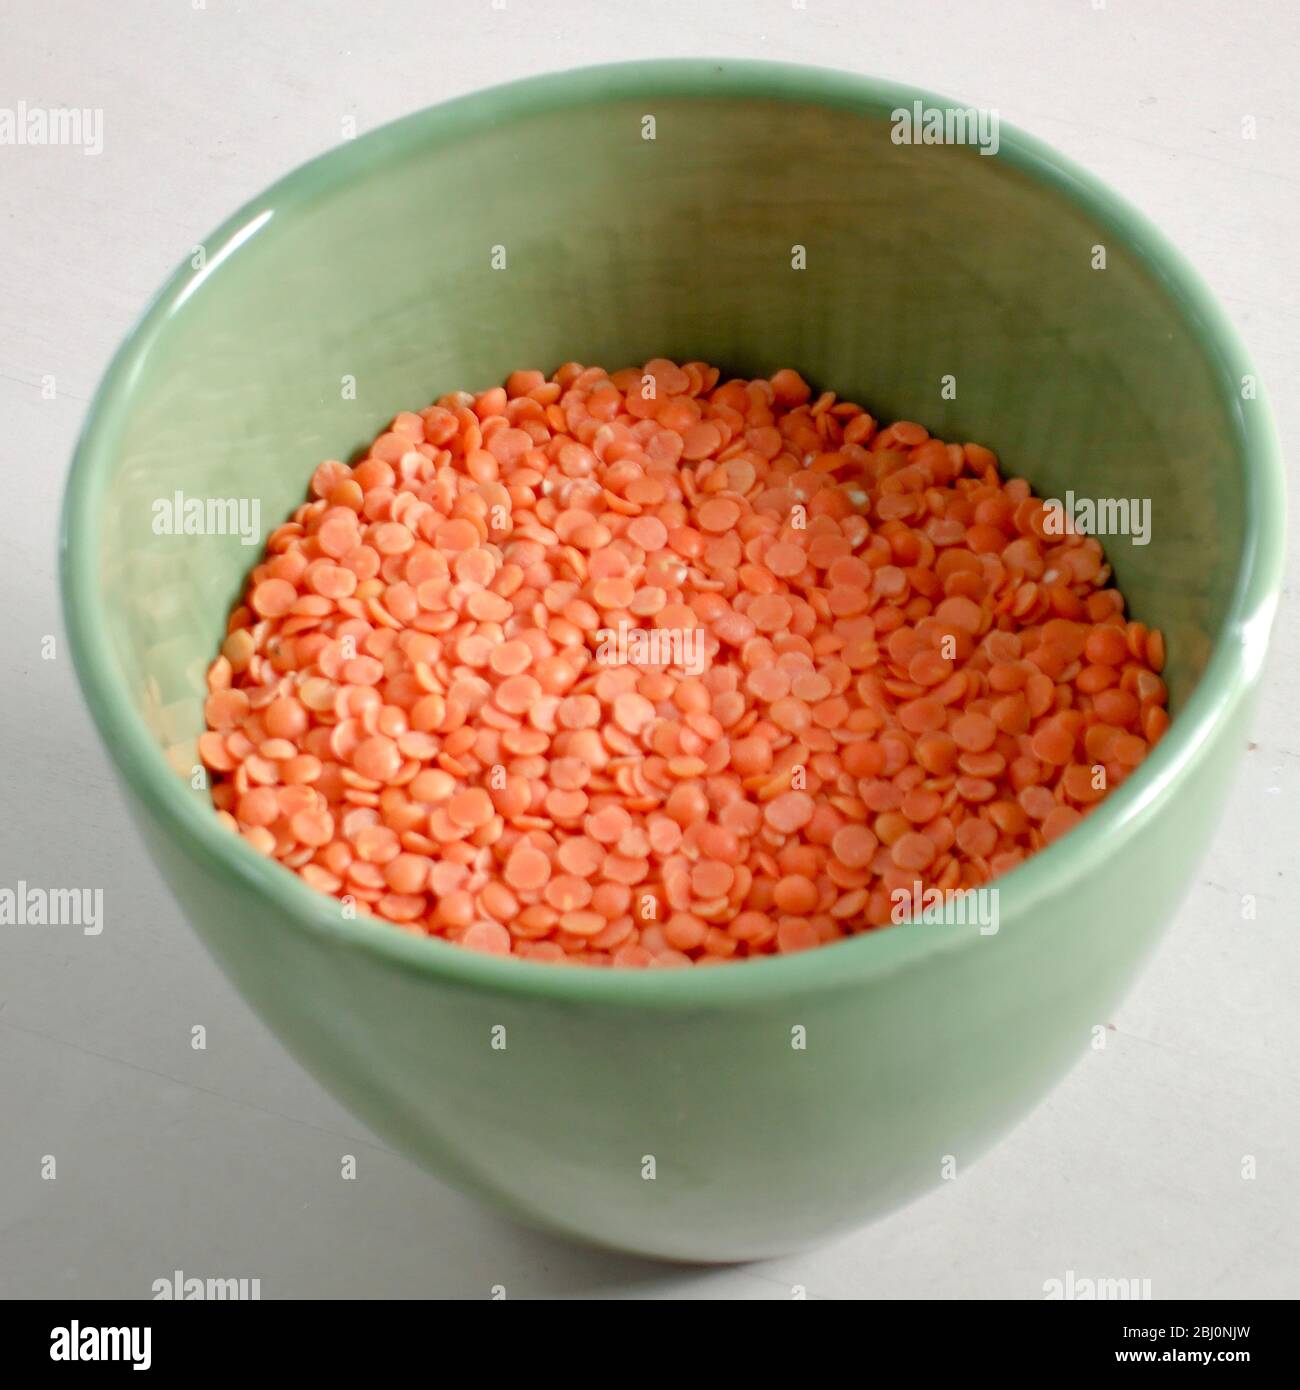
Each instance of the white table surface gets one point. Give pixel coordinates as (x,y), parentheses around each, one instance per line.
(226,1162)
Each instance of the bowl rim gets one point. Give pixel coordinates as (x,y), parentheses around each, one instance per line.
(1230,673)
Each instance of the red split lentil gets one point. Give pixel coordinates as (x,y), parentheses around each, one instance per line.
(902,677)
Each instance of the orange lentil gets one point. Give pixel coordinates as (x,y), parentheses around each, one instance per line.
(795,894)
(377,758)
(489,937)
(973,732)
(416,703)
(527,869)
(854,846)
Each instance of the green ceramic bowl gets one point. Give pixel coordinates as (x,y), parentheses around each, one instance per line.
(364,283)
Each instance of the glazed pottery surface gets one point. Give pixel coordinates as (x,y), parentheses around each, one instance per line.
(782,1100)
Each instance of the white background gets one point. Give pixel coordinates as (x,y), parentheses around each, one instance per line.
(226,1162)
